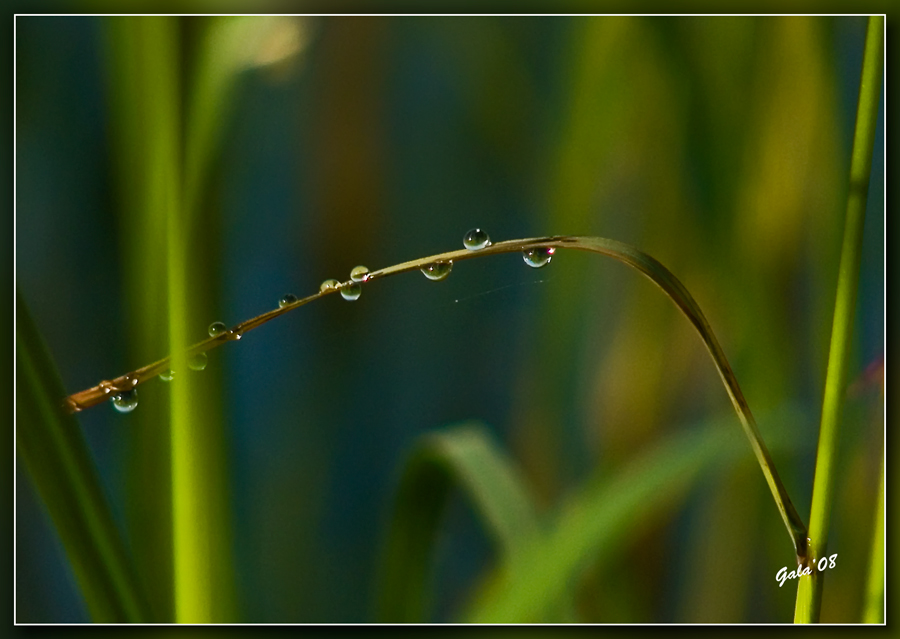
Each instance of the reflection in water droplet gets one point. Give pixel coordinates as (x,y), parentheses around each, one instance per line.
(351,292)
(197,362)
(217,328)
(538,256)
(126,401)
(359,274)
(328,285)
(476,239)
(287,299)
(437,270)
(167,375)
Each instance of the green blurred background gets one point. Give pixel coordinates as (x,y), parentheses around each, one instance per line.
(309,145)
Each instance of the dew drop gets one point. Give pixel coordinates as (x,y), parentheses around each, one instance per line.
(538,256)
(290,298)
(351,292)
(167,375)
(197,362)
(437,270)
(476,239)
(126,401)
(217,328)
(359,274)
(328,285)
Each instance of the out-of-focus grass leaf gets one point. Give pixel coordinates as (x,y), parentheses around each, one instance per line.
(462,456)
(50,443)
(597,520)
(168,123)
(874,604)
(141,122)
(228,46)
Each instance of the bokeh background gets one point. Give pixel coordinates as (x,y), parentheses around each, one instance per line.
(718,145)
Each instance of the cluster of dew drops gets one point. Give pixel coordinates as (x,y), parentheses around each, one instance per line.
(474,240)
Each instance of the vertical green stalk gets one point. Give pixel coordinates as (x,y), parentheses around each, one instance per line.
(809,590)
(141,114)
(191,542)
(874,605)
(159,43)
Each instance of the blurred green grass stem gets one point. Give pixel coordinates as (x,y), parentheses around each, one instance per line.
(874,604)
(809,589)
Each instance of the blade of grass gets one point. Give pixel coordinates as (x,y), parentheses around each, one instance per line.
(809,588)
(874,605)
(137,124)
(595,522)
(462,456)
(225,48)
(640,261)
(56,456)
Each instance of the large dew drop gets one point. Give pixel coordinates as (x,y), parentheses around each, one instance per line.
(197,362)
(126,401)
(476,239)
(538,256)
(217,328)
(288,299)
(359,274)
(351,292)
(167,375)
(437,270)
(328,285)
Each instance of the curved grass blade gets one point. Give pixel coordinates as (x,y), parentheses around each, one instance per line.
(650,267)
(592,526)
(462,456)
(56,456)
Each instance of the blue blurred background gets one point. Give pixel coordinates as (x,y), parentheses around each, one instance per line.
(718,145)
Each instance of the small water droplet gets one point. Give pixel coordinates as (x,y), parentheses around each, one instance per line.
(538,256)
(197,362)
(437,270)
(359,274)
(290,298)
(328,285)
(167,375)
(476,239)
(217,328)
(235,335)
(126,401)
(351,292)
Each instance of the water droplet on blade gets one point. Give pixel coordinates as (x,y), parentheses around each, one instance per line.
(437,270)
(217,328)
(197,362)
(126,401)
(287,299)
(538,256)
(359,274)
(476,239)
(167,375)
(328,285)
(351,292)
